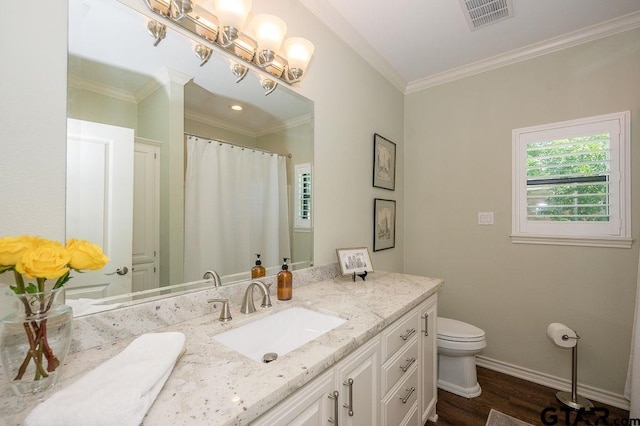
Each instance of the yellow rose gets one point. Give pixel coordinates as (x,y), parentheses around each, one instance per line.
(85,255)
(12,248)
(46,259)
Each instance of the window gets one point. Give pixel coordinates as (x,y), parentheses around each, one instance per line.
(302,195)
(571,182)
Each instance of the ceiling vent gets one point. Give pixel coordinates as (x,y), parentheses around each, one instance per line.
(480,13)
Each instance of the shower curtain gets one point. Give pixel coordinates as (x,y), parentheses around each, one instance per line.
(235,206)
(632,388)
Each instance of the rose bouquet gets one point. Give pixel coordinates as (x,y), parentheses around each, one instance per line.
(41,267)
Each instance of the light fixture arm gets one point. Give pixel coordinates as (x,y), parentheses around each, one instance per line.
(203,52)
(157,30)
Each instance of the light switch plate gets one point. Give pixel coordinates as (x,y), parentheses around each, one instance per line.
(485,218)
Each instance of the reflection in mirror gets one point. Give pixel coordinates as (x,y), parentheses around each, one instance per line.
(134,180)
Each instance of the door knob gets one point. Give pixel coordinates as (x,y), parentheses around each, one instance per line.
(120,271)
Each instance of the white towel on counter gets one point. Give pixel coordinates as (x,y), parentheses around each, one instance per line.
(118,392)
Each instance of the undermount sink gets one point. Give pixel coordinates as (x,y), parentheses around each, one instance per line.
(278,333)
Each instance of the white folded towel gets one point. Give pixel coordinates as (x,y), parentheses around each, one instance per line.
(119,391)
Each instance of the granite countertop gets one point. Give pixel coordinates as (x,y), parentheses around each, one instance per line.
(214,385)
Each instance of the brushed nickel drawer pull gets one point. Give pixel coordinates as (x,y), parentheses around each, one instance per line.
(349,406)
(334,419)
(409,333)
(406,398)
(426,324)
(409,364)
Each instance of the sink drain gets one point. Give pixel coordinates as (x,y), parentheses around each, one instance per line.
(269,357)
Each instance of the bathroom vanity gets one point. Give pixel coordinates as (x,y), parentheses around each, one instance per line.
(378,367)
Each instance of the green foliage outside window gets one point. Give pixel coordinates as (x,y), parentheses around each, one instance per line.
(568,179)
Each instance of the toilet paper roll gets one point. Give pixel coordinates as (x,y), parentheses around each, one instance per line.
(562,335)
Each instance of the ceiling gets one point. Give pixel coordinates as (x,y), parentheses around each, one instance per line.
(416,44)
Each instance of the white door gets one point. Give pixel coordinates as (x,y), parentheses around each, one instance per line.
(100,203)
(146,214)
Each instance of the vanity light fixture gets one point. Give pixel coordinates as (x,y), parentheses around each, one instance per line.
(299,52)
(269,33)
(232,15)
(220,24)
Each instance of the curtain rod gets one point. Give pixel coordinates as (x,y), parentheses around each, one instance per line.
(235,144)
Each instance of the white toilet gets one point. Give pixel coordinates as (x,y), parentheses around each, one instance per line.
(458,344)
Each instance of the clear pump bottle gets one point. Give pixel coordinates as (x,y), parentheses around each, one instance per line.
(285,282)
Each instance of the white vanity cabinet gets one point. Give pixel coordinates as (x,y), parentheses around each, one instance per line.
(390,380)
(349,390)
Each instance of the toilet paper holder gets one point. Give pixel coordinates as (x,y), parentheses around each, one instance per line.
(572,399)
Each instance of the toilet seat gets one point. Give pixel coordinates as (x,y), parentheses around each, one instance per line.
(457,331)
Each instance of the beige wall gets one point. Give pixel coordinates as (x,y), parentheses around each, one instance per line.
(458,162)
(33,110)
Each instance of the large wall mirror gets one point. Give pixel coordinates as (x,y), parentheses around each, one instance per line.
(143,183)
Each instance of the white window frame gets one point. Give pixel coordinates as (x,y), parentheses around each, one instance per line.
(299,222)
(614,233)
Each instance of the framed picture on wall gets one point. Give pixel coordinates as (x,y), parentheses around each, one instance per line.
(354,260)
(384,224)
(384,163)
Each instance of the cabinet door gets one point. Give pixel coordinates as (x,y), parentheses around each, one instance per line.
(357,380)
(309,406)
(428,357)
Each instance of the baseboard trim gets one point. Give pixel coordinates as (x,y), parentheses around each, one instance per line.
(594,394)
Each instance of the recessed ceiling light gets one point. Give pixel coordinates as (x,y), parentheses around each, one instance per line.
(236,107)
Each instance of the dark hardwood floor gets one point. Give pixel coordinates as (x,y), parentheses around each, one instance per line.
(530,402)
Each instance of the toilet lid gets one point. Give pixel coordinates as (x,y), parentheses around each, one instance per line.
(450,329)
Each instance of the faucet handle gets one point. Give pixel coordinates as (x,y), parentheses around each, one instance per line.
(225,313)
(266,298)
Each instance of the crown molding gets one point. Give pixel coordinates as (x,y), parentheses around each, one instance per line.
(585,35)
(205,119)
(289,124)
(101,89)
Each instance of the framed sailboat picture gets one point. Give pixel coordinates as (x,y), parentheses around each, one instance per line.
(384,224)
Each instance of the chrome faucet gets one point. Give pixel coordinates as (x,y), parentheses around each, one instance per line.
(212,274)
(247,303)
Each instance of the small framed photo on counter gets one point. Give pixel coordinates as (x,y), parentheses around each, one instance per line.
(384,224)
(354,260)
(384,163)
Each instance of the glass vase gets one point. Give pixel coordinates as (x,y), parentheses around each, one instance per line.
(35,336)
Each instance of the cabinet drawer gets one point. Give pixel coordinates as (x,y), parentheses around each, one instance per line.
(399,334)
(413,419)
(398,403)
(399,366)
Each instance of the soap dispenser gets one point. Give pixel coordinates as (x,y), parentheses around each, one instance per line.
(258,271)
(285,282)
